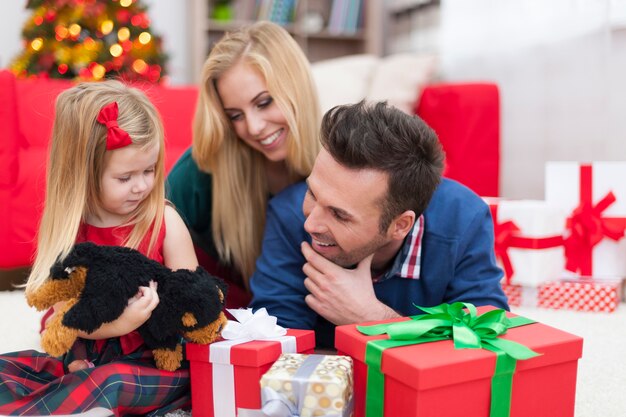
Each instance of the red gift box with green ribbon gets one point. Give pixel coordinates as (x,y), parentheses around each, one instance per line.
(457,360)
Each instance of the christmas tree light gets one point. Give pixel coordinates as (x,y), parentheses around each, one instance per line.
(90,40)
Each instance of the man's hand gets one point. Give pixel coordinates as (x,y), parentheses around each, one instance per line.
(341,296)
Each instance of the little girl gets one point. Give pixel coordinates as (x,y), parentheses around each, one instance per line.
(105,184)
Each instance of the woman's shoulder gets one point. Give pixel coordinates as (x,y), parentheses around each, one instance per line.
(186,172)
(189,190)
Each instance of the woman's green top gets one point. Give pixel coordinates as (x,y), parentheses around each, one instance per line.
(189,189)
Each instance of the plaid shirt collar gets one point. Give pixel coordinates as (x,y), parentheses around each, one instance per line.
(408,260)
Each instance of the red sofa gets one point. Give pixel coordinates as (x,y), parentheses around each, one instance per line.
(465,116)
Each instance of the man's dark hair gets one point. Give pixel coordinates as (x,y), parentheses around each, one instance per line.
(381,137)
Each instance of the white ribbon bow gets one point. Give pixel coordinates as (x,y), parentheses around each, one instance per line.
(247,327)
(252,326)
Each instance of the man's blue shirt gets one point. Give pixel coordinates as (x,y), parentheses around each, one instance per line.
(457,260)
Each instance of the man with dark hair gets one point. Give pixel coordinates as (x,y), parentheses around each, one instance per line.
(374,230)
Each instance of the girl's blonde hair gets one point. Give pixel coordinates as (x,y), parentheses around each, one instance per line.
(240,190)
(76,164)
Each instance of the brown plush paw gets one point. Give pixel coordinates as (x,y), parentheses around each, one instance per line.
(58,339)
(168,360)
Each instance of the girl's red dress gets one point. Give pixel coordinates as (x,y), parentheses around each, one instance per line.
(124,379)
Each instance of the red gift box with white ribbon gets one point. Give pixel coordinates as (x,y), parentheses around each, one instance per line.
(225,375)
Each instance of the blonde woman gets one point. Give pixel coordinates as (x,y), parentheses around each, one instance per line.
(105,184)
(255,132)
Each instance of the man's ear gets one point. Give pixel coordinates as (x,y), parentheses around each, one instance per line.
(401,226)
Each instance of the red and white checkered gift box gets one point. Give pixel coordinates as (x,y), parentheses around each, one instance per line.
(520,295)
(581,294)
(513,293)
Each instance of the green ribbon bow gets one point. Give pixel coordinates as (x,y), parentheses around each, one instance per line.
(467,329)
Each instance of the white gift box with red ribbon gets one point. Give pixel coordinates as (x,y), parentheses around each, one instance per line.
(528,240)
(595,196)
(225,375)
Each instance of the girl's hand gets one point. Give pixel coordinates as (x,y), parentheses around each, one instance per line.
(139,308)
(136,313)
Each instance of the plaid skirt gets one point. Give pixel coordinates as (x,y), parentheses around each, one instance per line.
(34,383)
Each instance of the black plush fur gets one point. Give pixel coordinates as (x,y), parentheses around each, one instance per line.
(113,276)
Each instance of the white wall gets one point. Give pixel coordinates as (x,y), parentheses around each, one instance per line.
(14,14)
(560,66)
(169,19)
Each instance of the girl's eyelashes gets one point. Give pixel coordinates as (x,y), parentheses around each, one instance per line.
(148,171)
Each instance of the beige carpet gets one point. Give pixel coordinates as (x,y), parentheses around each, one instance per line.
(601,371)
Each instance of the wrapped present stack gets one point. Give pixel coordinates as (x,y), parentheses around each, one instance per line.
(567,252)
(225,375)
(457,360)
(528,245)
(594,244)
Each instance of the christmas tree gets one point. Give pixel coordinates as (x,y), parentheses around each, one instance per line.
(90,40)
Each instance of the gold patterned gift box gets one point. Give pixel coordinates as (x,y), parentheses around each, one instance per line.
(309,385)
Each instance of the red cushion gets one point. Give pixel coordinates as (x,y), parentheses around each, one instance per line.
(10,129)
(177,106)
(36,101)
(27,203)
(9,145)
(466,117)
(34,105)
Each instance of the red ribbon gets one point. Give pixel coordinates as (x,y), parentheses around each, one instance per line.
(116,136)
(586,227)
(507,236)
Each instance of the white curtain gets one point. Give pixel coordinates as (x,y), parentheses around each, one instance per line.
(561,68)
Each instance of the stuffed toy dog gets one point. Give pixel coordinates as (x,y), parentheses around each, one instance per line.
(96,283)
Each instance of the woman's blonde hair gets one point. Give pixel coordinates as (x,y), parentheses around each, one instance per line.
(76,163)
(239,185)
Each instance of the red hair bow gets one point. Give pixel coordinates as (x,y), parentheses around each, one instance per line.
(116,136)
